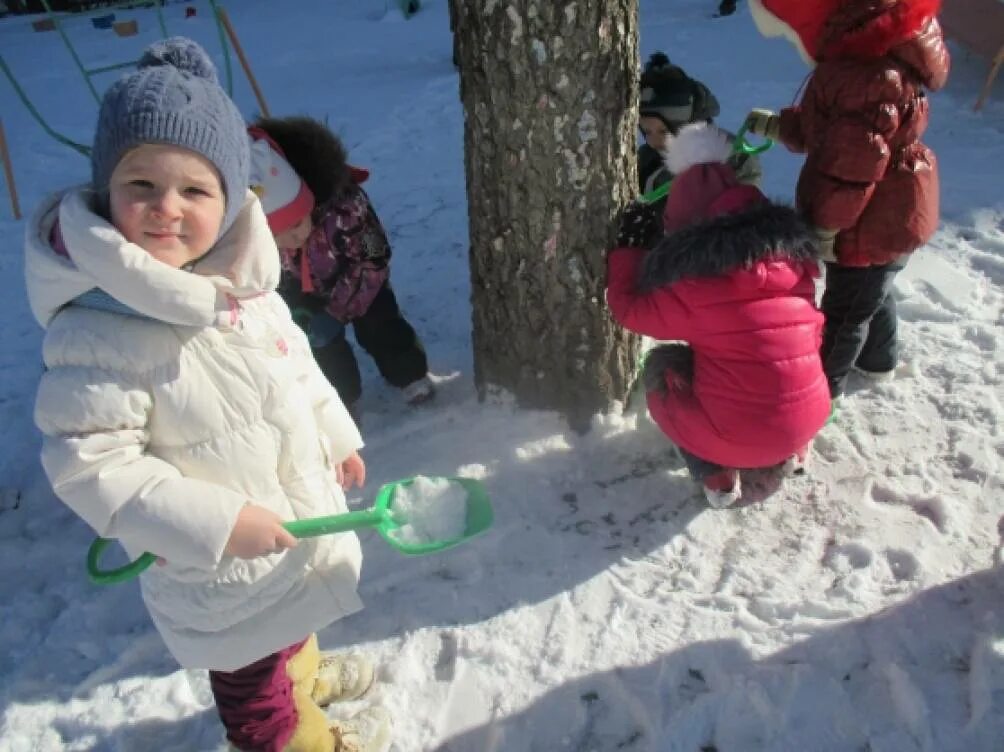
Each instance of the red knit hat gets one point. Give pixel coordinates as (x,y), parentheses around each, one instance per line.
(704,186)
(801,22)
(284,196)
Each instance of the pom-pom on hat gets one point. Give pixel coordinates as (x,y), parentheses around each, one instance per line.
(173,98)
(705,186)
(284,196)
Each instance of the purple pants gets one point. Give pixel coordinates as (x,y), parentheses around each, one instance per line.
(255,703)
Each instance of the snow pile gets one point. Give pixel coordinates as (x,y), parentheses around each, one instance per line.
(430,510)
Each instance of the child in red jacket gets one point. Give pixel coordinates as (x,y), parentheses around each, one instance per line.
(869,185)
(733,278)
(335,257)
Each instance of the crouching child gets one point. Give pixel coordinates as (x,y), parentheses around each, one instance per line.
(731,277)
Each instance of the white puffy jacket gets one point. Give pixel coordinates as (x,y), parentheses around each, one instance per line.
(159,428)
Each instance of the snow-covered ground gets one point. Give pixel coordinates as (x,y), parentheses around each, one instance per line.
(860,608)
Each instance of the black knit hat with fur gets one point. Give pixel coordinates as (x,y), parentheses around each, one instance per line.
(314,152)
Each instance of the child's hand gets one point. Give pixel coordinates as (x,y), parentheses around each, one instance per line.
(258,532)
(351,472)
(640,226)
(764,123)
(825,240)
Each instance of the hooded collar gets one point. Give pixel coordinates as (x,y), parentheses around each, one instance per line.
(728,243)
(865,29)
(904,29)
(243,263)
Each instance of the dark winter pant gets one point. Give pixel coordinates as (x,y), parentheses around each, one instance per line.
(699,469)
(390,340)
(256,703)
(860,328)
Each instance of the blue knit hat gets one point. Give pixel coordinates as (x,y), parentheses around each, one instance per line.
(173,97)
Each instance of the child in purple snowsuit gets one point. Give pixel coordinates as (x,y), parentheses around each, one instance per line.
(335,257)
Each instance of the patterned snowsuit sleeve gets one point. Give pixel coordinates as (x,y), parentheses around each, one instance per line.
(361,255)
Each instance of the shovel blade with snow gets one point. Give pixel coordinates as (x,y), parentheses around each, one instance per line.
(403,513)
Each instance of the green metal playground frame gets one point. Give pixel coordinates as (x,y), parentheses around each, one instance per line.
(88,73)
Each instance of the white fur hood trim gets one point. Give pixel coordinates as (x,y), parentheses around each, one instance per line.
(697,143)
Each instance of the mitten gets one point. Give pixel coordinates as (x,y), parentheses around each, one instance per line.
(764,123)
(302,305)
(825,240)
(640,226)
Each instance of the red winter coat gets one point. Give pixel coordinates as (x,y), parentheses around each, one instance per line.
(860,121)
(739,289)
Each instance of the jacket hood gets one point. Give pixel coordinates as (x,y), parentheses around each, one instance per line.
(243,263)
(926,54)
(870,28)
(317,155)
(728,244)
(838,29)
(908,30)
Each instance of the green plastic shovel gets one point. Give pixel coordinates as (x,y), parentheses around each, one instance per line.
(739,146)
(381,515)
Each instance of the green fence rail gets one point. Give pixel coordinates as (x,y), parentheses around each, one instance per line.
(89,73)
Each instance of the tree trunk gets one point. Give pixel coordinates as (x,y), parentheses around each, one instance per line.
(549,91)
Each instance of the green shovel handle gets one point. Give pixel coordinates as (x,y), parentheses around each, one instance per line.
(656,193)
(112,576)
(739,146)
(336,523)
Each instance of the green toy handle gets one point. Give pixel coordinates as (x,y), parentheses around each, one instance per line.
(739,146)
(336,523)
(656,193)
(112,576)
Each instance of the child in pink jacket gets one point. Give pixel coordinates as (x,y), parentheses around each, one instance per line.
(733,278)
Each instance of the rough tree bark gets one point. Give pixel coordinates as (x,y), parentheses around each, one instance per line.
(548,88)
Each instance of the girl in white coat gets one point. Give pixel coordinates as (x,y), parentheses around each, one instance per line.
(183,413)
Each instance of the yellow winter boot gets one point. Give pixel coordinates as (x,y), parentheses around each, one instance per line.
(366,731)
(331,677)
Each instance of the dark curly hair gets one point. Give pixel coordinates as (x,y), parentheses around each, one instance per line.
(313,151)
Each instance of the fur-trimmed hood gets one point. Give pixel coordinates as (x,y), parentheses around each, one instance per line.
(907,30)
(727,243)
(870,28)
(316,154)
(840,29)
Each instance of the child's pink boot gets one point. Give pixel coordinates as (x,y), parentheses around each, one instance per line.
(798,463)
(722,489)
